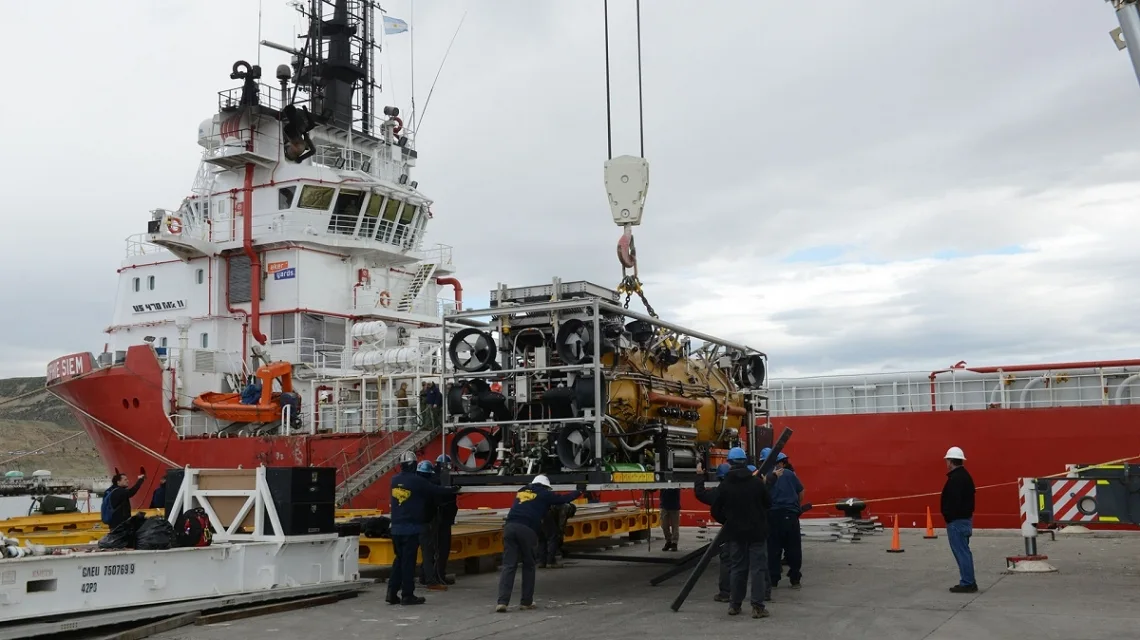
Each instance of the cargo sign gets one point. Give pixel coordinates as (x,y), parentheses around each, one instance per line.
(68,366)
(166,305)
(274,267)
(633,476)
(285,274)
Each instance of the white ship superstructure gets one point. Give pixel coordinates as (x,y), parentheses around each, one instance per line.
(302,241)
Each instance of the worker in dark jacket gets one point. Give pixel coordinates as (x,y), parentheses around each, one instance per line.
(784,522)
(520,537)
(670,517)
(158,498)
(958,511)
(741,506)
(410,496)
(708,496)
(439,548)
(120,496)
(551,534)
(429,534)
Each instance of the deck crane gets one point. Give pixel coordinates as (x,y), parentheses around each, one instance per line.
(1128,14)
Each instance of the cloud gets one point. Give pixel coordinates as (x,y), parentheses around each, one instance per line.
(895,184)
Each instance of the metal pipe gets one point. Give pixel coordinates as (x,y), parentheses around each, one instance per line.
(254,260)
(1128,15)
(1024,396)
(1091,364)
(1118,396)
(455,284)
(665,398)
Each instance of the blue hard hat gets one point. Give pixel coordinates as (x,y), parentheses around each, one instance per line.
(781,457)
(722,469)
(425,467)
(443,459)
(736,453)
(752,468)
(764,453)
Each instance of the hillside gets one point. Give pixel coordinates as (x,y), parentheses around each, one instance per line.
(37,421)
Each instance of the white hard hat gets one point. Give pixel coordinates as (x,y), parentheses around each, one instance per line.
(543,480)
(955,453)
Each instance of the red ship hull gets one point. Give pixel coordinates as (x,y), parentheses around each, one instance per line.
(892,460)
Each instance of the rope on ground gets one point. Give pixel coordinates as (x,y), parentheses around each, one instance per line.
(41,449)
(126,438)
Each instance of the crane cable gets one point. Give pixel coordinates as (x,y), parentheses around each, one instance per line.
(627,253)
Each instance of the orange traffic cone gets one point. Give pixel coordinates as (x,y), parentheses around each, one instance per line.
(895,546)
(930,535)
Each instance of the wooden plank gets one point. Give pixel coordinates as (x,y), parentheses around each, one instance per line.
(147,630)
(277,607)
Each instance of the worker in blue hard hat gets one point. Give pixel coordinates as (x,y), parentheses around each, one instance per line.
(741,506)
(440,520)
(784,519)
(764,453)
(708,496)
(410,495)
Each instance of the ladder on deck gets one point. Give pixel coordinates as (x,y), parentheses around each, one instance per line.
(423,274)
(363,478)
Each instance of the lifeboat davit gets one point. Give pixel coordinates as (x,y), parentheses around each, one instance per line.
(229,407)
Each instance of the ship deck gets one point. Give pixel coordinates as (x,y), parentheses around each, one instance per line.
(851,591)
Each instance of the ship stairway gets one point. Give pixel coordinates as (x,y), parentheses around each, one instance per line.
(423,274)
(364,477)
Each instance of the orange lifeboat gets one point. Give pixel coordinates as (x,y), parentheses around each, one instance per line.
(228,406)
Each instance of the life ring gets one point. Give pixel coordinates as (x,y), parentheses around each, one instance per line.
(385,299)
(174,225)
(399,126)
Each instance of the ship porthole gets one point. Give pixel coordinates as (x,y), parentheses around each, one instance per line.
(126,405)
(1087,505)
(135,403)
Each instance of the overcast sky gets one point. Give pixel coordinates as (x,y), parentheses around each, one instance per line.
(893,185)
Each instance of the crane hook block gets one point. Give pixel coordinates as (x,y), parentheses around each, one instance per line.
(627,182)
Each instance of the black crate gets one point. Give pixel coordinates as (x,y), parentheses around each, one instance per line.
(302,519)
(302,484)
(173,486)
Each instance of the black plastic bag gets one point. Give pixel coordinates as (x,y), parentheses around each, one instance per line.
(155,533)
(124,535)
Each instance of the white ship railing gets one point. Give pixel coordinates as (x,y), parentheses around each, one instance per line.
(957,390)
(138,245)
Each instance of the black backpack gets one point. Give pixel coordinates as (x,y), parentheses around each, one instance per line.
(192,529)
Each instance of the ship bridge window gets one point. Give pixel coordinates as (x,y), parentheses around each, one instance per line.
(136,284)
(285,197)
(403,229)
(346,211)
(389,219)
(150,282)
(200,276)
(314,197)
(371,213)
(204,340)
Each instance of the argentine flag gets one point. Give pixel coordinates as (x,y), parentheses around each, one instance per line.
(394,25)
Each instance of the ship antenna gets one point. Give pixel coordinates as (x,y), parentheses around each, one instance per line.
(440,69)
(259,33)
(412,62)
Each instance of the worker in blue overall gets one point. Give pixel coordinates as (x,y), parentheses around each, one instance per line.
(708,496)
(784,522)
(410,496)
(520,537)
(671,518)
